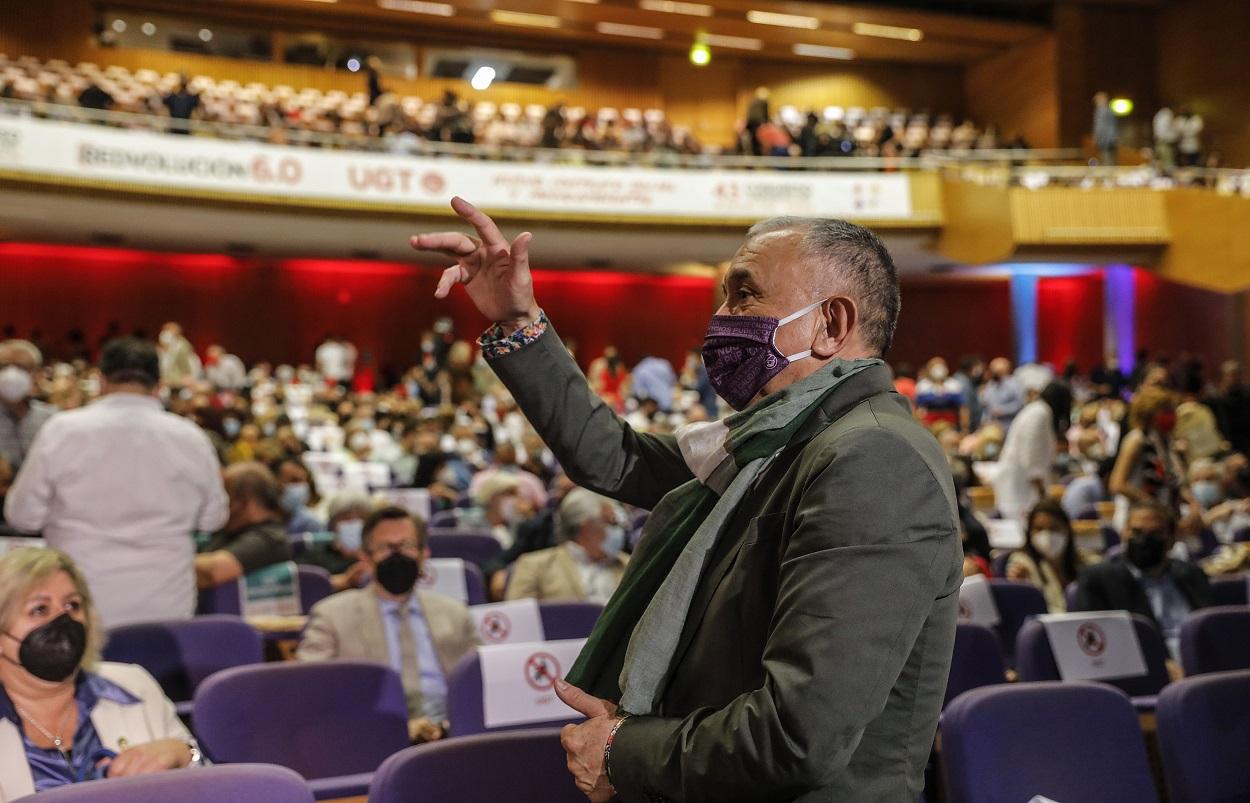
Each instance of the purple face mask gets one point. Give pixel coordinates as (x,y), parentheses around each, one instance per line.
(741,356)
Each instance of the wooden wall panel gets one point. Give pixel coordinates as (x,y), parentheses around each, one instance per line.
(1018,91)
(1202,62)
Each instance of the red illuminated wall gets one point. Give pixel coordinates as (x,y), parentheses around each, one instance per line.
(952,318)
(1174,320)
(1070,320)
(280,309)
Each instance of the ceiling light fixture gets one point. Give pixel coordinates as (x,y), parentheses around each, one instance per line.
(525,19)
(887,31)
(783,20)
(418,7)
(736,42)
(636,31)
(676,7)
(824,52)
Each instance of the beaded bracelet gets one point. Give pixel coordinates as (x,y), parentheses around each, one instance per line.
(607,750)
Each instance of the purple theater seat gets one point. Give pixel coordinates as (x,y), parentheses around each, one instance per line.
(1204,737)
(238,783)
(474,584)
(1066,741)
(465,709)
(1229,590)
(1216,640)
(314,586)
(1035,661)
(1016,601)
(526,766)
(977,660)
(568,620)
(180,655)
(332,722)
(473,546)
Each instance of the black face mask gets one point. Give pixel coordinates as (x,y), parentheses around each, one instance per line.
(53,651)
(398,573)
(1146,550)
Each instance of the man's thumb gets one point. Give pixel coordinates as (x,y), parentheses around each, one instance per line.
(579,700)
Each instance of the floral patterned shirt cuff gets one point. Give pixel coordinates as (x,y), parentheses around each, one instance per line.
(495,342)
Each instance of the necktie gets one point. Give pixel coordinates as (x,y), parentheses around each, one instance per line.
(409,670)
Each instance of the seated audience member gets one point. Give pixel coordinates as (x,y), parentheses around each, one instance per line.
(421,634)
(939,396)
(347,511)
(254,536)
(529,486)
(298,494)
(21,415)
(1082,495)
(1001,395)
(1049,559)
(1144,579)
(122,487)
(498,507)
(65,716)
(532,534)
(589,561)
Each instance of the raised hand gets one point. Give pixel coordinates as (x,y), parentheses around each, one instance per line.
(494,272)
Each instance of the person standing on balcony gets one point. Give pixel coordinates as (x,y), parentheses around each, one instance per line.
(181,104)
(1106,130)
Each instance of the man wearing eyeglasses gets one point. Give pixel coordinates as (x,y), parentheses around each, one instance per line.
(421,634)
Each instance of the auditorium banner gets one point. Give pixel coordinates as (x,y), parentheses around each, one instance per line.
(140,160)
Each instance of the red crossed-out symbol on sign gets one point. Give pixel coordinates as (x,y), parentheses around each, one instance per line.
(495,626)
(541,671)
(1091,639)
(965,610)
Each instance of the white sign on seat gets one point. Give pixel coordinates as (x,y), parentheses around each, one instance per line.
(1094,645)
(13,543)
(445,576)
(513,622)
(518,681)
(271,591)
(1005,533)
(976,602)
(414,500)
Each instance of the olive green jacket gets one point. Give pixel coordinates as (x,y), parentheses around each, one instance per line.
(814,657)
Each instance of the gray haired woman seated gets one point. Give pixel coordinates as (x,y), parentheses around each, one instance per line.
(65,716)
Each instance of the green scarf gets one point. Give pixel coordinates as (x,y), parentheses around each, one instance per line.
(629,652)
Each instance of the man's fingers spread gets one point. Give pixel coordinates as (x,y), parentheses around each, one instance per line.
(448,242)
(486,228)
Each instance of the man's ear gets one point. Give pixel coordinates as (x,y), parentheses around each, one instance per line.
(841,318)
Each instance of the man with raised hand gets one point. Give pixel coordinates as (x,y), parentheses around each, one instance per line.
(784,629)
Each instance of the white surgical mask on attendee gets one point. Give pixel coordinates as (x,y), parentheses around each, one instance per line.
(1050,543)
(613,541)
(939,373)
(508,510)
(350,534)
(15,384)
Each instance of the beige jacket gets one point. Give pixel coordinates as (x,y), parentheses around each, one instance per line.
(153,717)
(551,575)
(349,625)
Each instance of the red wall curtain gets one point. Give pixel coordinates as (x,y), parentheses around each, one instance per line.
(951,319)
(1175,320)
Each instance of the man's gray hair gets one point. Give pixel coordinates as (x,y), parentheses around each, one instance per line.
(26,346)
(578,507)
(855,255)
(345,502)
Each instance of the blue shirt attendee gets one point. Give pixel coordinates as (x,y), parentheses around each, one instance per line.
(1081,497)
(21,415)
(1001,397)
(1144,579)
(421,634)
(653,378)
(65,716)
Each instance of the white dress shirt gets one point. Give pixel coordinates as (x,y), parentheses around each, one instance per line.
(121,486)
(598,578)
(1027,457)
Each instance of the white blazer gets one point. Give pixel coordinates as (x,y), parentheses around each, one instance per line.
(152,717)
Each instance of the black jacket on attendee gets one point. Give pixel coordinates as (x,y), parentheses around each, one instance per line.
(1110,586)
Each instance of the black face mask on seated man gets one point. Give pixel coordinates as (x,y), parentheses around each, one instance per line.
(1146,550)
(397,573)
